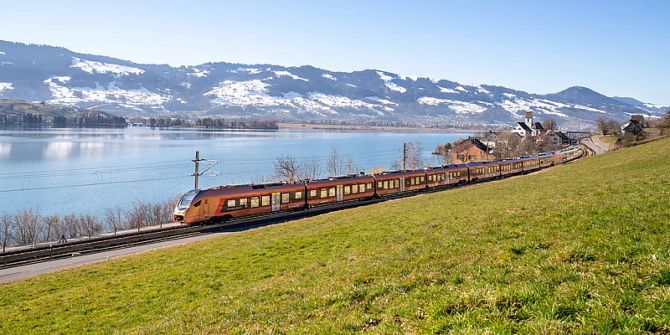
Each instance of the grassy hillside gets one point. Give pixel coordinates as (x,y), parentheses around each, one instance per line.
(580,248)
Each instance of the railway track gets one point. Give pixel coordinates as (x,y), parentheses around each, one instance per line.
(51,252)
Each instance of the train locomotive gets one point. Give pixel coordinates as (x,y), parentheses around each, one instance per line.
(222,203)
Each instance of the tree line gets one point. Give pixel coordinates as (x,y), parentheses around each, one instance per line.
(214,123)
(29,226)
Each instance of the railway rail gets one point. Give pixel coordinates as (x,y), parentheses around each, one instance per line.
(51,252)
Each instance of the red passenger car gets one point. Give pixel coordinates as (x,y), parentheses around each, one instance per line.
(347,188)
(399,181)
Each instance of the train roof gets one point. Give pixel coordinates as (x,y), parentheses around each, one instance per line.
(482,163)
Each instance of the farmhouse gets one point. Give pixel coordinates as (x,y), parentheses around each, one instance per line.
(470,150)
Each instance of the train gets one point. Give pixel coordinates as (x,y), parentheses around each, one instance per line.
(223,203)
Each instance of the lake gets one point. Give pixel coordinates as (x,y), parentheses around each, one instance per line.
(85,171)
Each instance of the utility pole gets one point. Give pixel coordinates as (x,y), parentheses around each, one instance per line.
(196,172)
(404,156)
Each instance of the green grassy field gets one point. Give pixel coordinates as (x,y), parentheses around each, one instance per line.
(580,248)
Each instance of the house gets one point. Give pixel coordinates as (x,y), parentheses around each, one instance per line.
(469,150)
(639,119)
(536,127)
(565,139)
(632,127)
(552,139)
(489,139)
(522,129)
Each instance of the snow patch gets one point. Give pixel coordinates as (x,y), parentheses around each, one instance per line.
(509,95)
(395,87)
(111,94)
(351,85)
(198,73)
(459,107)
(289,74)
(6,87)
(329,76)
(460,88)
(446,90)
(2,63)
(99,67)
(383,76)
(2,53)
(382,101)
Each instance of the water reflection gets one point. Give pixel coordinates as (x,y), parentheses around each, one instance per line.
(58,150)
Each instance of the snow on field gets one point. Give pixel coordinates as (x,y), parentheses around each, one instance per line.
(351,85)
(519,106)
(446,90)
(509,95)
(395,87)
(99,67)
(254,93)
(6,87)
(198,73)
(459,107)
(329,76)
(461,88)
(5,63)
(289,74)
(99,94)
(382,101)
(383,76)
(2,53)
(590,109)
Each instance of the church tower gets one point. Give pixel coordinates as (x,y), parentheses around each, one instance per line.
(529,119)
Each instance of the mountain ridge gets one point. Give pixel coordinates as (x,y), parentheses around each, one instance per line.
(297,93)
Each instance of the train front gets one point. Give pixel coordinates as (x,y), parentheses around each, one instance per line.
(187,210)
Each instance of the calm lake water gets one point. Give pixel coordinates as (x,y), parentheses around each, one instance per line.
(88,170)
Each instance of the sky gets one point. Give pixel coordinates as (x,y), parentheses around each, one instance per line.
(618,48)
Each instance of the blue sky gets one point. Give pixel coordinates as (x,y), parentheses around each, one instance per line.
(614,47)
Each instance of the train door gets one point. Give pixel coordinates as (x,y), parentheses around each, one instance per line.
(339,193)
(276,201)
(402,184)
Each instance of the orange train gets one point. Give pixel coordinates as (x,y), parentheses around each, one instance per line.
(219,204)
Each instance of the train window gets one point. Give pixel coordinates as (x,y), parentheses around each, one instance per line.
(298,195)
(347,190)
(369,186)
(380,184)
(324,193)
(284,198)
(354,188)
(254,202)
(331,192)
(422,179)
(230,203)
(361,187)
(386,184)
(243,202)
(312,193)
(397,183)
(265,200)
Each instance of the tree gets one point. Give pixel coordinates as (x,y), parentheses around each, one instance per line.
(89,225)
(54,226)
(5,230)
(71,225)
(413,156)
(114,218)
(310,169)
(287,168)
(334,163)
(664,125)
(549,124)
(26,227)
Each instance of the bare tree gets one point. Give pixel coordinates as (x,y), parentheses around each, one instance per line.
(26,227)
(664,125)
(350,166)
(114,218)
(287,168)
(414,156)
(157,214)
(54,227)
(334,163)
(71,225)
(168,208)
(5,230)
(549,124)
(90,225)
(139,216)
(310,169)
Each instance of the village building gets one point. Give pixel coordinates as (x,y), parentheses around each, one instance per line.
(470,150)
(632,127)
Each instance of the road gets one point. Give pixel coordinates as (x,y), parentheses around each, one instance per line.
(32,270)
(595,145)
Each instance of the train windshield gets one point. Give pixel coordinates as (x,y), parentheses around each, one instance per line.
(186,199)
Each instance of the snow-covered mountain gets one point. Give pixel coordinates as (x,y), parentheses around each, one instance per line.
(58,75)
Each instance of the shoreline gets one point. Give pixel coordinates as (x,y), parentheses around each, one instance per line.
(308,126)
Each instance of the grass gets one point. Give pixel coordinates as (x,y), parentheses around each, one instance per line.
(581,248)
